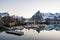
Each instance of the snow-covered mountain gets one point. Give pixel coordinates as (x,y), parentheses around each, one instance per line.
(57,14)
(42,16)
(37,16)
(4,14)
(51,16)
(48,15)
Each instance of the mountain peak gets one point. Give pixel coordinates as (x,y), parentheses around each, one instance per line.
(37,16)
(38,12)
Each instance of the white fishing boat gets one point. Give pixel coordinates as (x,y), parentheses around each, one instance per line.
(16,32)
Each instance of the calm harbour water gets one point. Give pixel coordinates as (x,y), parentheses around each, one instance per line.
(50,32)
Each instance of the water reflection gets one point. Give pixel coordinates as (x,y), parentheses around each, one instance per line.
(46,27)
(48,32)
(38,29)
(57,27)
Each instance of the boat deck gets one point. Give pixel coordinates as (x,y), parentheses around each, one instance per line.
(15,32)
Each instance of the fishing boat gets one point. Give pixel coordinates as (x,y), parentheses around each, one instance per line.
(20,33)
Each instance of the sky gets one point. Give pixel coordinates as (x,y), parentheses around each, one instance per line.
(27,8)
